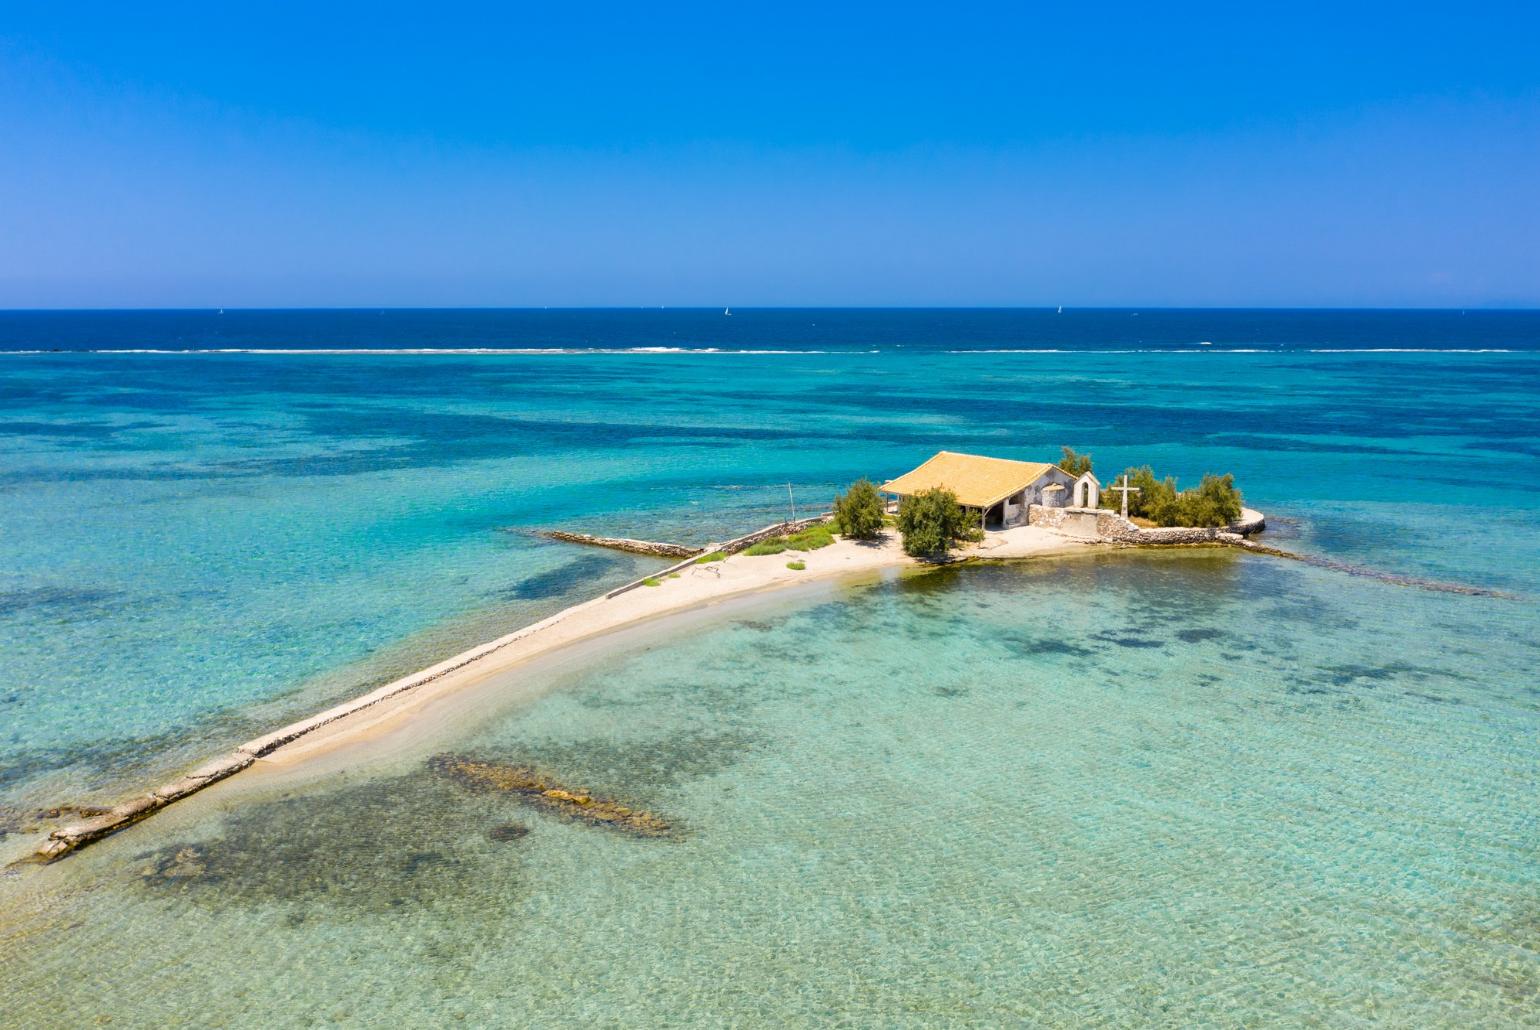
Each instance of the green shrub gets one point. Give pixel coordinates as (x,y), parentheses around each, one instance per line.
(713,556)
(1214,502)
(810,539)
(820,534)
(652,581)
(1220,491)
(796,566)
(1154,494)
(859,511)
(1075,463)
(931,522)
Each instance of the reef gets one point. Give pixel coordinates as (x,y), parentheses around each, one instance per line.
(1417,582)
(545,792)
(402,843)
(187,861)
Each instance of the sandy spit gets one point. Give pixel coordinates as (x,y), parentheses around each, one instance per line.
(393,707)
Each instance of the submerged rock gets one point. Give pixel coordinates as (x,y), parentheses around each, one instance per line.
(541,790)
(188,861)
(375,846)
(12,821)
(504,832)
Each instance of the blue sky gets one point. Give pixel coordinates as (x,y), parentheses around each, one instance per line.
(296,155)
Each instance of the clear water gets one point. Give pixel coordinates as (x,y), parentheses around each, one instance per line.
(1116,791)
(1168,789)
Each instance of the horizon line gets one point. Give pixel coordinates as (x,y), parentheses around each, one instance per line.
(214,309)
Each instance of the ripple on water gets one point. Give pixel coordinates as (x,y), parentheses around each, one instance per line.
(1016,821)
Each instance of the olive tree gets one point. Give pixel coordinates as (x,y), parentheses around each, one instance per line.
(858,511)
(931,521)
(1153,495)
(1213,502)
(1075,463)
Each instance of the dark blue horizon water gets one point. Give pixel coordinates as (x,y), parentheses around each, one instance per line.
(794,329)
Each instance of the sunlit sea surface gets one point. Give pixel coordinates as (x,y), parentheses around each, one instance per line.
(1180,788)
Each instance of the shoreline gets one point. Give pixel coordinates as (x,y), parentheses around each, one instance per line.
(387,708)
(685,588)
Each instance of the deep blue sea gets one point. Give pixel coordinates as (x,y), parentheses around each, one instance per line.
(1185,788)
(832,329)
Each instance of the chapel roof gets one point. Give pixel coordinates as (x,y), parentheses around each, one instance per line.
(977,481)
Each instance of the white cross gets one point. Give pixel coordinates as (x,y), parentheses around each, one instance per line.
(1126,490)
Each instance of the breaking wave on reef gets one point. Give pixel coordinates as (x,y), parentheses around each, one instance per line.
(1207,348)
(296,351)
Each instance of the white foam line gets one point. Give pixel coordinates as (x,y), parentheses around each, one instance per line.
(1177,349)
(1135,350)
(288,351)
(579,351)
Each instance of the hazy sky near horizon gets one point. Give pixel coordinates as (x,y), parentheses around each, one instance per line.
(297,155)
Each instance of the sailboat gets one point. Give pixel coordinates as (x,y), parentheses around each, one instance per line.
(1061,309)
(727,311)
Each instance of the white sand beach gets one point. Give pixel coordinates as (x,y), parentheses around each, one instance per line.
(398,706)
(696,586)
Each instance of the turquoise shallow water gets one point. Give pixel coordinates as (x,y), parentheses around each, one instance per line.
(1175,789)
(197,547)
(1105,791)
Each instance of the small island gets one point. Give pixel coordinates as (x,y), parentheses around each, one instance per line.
(952,507)
(958,498)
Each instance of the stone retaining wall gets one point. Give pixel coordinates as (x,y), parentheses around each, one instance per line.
(779,529)
(1251,521)
(732,546)
(1101,524)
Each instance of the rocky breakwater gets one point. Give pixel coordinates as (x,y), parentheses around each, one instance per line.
(76,834)
(619,543)
(1109,527)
